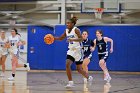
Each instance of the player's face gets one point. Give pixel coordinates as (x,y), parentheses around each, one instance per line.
(84,35)
(2,33)
(13,32)
(98,34)
(69,24)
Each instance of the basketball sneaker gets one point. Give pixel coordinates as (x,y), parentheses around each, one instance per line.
(90,79)
(11,79)
(28,67)
(70,84)
(107,78)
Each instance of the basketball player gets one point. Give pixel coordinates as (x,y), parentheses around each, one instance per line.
(101,43)
(74,54)
(14,41)
(87,47)
(3,51)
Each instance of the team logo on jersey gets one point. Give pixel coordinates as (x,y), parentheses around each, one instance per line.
(70,36)
(100,43)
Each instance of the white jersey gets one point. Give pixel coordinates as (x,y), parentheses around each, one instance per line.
(2,44)
(14,41)
(72,34)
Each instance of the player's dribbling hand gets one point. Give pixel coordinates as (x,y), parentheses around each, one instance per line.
(111,50)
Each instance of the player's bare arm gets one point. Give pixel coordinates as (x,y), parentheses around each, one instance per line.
(107,39)
(93,47)
(62,37)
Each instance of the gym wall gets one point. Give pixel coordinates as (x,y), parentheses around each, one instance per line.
(52,57)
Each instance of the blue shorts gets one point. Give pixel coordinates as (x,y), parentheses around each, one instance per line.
(103,56)
(88,56)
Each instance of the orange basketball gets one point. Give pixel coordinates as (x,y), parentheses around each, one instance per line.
(48,39)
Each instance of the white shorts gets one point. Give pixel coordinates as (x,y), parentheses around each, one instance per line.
(76,53)
(3,52)
(13,52)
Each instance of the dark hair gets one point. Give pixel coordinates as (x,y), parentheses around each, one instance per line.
(100,31)
(86,31)
(73,20)
(16,31)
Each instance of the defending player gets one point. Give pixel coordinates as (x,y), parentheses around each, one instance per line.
(101,43)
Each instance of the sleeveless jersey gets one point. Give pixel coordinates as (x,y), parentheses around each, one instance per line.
(102,46)
(14,41)
(72,34)
(86,46)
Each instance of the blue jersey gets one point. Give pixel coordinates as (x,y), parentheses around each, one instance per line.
(86,47)
(102,45)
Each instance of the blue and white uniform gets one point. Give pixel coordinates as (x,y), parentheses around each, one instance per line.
(3,50)
(102,49)
(86,47)
(14,44)
(75,52)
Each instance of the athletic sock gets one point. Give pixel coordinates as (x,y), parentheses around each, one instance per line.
(13,74)
(25,65)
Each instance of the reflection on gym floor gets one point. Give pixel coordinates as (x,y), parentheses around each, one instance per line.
(54,82)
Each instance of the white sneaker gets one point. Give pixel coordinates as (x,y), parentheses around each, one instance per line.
(90,79)
(28,67)
(107,78)
(85,80)
(70,84)
(11,79)
(2,74)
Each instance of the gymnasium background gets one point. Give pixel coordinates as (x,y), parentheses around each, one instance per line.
(122,25)
(52,57)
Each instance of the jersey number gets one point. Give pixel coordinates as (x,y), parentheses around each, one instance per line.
(85,48)
(100,47)
(12,44)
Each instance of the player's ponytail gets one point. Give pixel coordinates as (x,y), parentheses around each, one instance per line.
(16,31)
(74,20)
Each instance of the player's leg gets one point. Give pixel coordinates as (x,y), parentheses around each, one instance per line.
(1,75)
(21,65)
(102,64)
(86,61)
(69,61)
(83,73)
(79,62)
(68,69)
(14,62)
(3,59)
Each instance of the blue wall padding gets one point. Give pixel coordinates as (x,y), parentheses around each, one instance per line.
(52,57)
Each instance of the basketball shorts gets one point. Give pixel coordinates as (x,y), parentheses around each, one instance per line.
(103,56)
(13,52)
(3,52)
(89,55)
(75,55)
